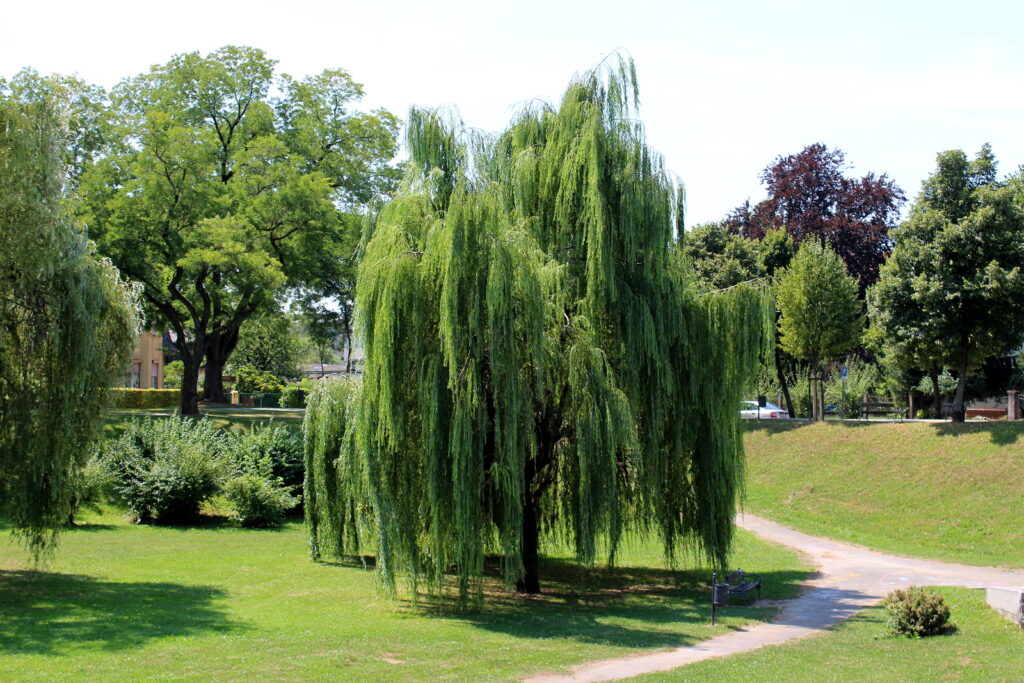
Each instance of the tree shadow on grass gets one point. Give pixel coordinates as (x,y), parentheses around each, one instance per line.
(631,607)
(49,613)
(999,433)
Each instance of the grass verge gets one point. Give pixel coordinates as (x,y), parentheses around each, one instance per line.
(125,602)
(951,492)
(983,647)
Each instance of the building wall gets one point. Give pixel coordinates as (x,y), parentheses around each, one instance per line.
(147,368)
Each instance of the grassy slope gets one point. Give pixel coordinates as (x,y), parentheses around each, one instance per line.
(124,602)
(953,492)
(984,647)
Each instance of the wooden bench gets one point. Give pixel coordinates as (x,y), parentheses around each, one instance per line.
(881,408)
(735,583)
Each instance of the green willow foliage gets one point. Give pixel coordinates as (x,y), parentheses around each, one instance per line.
(537,361)
(67,326)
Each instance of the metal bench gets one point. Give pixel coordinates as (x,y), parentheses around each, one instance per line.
(880,408)
(735,583)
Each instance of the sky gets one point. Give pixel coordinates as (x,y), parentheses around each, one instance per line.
(725,86)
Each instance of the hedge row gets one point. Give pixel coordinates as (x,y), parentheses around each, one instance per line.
(146,398)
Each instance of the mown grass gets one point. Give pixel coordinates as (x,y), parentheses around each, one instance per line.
(213,602)
(939,490)
(222,418)
(983,647)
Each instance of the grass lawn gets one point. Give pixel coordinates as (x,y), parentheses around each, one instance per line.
(230,417)
(952,492)
(984,647)
(125,602)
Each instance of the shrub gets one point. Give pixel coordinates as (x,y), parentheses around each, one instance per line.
(249,380)
(172,374)
(292,396)
(88,486)
(164,469)
(145,398)
(273,452)
(916,612)
(257,501)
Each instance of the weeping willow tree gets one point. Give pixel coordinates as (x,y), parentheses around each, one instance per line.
(67,326)
(538,364)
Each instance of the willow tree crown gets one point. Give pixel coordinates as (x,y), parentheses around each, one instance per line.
(537,363)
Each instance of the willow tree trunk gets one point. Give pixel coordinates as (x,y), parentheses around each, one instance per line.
(530,583)
(933,374)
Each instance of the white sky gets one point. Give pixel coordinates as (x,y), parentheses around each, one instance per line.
(725,86)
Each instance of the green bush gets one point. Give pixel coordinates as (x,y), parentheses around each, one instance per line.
(172,374)
(273,452)
(165,469)
(292,396)
(88,487)
(146,398)
(257,501)
(249,380)
(916,613)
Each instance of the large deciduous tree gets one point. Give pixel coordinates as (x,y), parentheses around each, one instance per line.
(67,322)
(953,290)
(219,197)
(810,196)
(538,363)
(821,317)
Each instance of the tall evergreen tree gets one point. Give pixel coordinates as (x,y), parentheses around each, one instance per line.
(68,323)
(538,365)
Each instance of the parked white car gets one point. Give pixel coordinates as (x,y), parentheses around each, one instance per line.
(750,411)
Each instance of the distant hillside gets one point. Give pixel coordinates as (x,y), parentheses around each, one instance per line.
(953,492)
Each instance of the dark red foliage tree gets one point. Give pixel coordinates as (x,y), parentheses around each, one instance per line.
(809,195)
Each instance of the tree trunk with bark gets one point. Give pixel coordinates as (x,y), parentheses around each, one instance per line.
(933,374)
(959,412)
(530,583)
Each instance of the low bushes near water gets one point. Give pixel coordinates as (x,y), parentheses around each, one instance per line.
(165,469)
(916,613)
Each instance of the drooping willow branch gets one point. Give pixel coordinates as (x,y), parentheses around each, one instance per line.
(511,391)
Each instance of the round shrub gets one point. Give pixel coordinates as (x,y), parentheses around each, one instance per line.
(270,451)
(916,613)
(257,501)
(165,469)
(292,396)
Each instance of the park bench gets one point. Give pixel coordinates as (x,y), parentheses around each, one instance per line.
(881,408)
(735,583)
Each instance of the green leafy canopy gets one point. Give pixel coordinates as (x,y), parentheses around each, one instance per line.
(537,359)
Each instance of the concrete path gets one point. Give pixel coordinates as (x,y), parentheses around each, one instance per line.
(848,579)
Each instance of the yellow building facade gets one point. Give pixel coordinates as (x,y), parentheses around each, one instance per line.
(147,368)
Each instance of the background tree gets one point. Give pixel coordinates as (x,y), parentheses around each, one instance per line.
(537,363)
(68,323)
(219,198)
(956,276)
(720,259)
(268,342)
(821,317)
(810,196)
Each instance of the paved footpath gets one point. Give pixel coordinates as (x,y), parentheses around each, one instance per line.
(848,579)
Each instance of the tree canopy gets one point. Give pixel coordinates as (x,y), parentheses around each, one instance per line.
(219,196)
(809,195)
(953,290)
(538,363)
(821,317)
(69,323)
